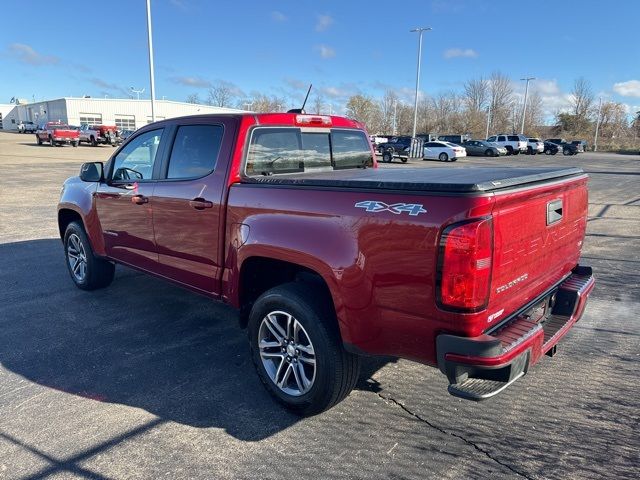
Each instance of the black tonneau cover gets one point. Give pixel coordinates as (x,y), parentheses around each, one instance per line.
(462,180)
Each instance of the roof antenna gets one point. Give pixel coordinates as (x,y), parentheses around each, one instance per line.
(301,110)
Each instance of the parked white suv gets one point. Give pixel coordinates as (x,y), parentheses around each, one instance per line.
(514,144)
(27,127)
(534,146)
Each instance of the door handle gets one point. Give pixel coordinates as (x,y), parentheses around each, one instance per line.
(139,199)
(200,203)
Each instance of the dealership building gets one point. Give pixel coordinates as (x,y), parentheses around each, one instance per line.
(126,114)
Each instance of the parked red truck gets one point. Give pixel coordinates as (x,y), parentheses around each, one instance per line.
(56,134)
(327,258)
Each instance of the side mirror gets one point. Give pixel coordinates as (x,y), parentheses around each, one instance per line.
(92,172)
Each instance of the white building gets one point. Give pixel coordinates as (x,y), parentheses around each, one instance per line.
(127,114)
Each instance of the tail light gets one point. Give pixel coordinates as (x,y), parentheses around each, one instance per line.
(322,120)
(465,265)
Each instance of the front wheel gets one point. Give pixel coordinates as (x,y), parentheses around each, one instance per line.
(443,157)
(87,271)
(39,140)
(509,150)
(403,160)
(566,152)
(529,151)
(489,153)
(297,350)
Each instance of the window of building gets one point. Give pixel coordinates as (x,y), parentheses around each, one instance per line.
(125,122)
(90,119)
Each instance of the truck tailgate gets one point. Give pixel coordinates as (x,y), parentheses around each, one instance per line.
(538,233)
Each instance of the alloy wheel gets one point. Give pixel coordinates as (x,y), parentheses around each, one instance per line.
(77,258)
(287,353)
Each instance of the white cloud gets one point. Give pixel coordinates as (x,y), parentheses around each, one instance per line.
(278,16)
(26,54)
(630,88)
(460,52)
(191,82)
(323,22)
(326,52)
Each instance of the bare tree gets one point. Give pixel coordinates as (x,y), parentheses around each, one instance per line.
(501,102)
(221,95)
(581,98)
(389,112)
(365,110)
(318,104)
(477,94)
(193,98)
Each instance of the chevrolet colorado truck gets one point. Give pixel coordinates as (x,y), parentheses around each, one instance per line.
(56,134)
(326,257)
(99,134)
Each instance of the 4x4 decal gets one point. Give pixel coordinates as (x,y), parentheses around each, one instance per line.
(374,206)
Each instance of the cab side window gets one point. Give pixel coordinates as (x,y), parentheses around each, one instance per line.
(195,151)
(135,161)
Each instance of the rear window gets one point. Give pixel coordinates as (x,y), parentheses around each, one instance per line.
(290,150)
(513,138)
(534,140)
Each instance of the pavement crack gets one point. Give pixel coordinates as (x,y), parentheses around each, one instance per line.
(442,430)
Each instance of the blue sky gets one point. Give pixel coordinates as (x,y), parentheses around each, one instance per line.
(342,47)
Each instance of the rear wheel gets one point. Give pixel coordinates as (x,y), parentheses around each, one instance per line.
(387,156)
(51,142)
(39,140)
(297,350)
(566,151)
(529,151)
(509,150)
(87,271)
(94,143)
(443,157)
(403,159)
(516,152)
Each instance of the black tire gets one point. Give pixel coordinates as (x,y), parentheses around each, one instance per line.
(509,150)
(39,140)
(75,144)
(403,160)
(387,156)
(529,151)
(99,272)
(94,143)
(443,157)
(51,142)
(336,370)
(516,152)
(489,153)
(566,152)
(547,151)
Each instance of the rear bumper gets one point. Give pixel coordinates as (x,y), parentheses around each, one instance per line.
(480,367)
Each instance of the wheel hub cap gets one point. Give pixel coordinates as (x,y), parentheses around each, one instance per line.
(77,258)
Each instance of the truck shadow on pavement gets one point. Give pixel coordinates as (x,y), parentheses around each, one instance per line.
(140,342)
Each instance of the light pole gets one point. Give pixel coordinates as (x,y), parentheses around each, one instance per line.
(137,92)
(488,120)
(524,107)
(395,116)
(595,140)
(420,30)
(151,76)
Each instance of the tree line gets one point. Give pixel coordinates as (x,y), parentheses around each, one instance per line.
(484,101)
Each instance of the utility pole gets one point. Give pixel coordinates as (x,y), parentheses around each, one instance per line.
(420,30)
(151,76)
(595,140)
(524,107)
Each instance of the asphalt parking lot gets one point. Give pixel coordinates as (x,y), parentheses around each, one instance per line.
(146,380)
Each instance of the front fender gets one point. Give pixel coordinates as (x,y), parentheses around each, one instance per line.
(78,196)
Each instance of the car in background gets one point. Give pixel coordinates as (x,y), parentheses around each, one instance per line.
(443,151)
(457,139)
(564,146)
(534,146)
(550,148)
(27,127)
(124,134)
(514,143)
(482,148)
(56,134)
(581,144)
(397,147)
(100,134)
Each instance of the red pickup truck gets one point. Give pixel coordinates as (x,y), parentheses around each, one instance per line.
(56,134)
(327,258)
